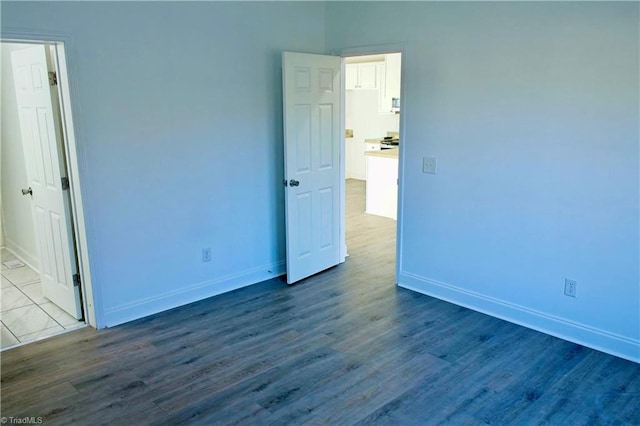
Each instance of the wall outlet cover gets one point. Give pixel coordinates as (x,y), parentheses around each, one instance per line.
(570,287)
(429,165)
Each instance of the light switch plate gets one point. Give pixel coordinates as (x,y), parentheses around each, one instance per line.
(429,165)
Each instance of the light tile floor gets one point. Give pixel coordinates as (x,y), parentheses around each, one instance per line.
(26,314)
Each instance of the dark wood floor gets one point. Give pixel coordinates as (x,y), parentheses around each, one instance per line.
(343,347)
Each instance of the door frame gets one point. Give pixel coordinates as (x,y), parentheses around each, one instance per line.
(380,49)
(69,130)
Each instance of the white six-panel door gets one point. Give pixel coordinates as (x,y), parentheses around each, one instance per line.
(312,92)
(41,139)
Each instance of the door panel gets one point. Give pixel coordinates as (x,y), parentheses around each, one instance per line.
(327,207)
(305,221)
(311,85)
(44,154)
(302,121)
(326,126)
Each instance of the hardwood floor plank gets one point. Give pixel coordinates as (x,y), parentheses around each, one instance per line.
(360,384)
(237,371)
(346,346)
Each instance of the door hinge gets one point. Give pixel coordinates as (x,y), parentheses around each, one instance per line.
(65,183)
(53,78)
(76,280)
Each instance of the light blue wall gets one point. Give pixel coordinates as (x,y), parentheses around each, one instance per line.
(179,115)
(532,111)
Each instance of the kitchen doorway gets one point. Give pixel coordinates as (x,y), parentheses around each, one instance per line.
(371,150)
(32,257)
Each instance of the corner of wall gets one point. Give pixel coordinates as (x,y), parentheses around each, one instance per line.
(581,334)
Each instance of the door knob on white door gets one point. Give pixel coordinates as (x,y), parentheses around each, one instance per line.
(294,182)
(28,191)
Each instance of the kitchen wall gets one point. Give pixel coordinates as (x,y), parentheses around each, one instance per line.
(179,138)
(532,111)
(17,223)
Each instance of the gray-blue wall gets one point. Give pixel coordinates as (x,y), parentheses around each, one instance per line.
(532,111)
(178,107)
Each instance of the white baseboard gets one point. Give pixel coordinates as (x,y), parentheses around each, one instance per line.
(153,305)
(581,334)
(29,259)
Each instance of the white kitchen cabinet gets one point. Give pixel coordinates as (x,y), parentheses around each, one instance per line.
(383,76)
(355,167)
(351,76)
(392,83)
(393,69)
(362,76)
(381,72)
(382,183)
(368,76)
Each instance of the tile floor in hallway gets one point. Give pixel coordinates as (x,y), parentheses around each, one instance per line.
(26,314)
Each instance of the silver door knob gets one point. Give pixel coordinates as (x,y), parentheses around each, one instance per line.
(294,182)
(27,191)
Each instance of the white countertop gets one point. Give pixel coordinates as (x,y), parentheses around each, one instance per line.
(385,153)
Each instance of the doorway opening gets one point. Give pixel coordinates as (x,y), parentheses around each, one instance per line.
(371,150)
(44,271)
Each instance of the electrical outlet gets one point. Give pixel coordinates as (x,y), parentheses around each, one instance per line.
(570,287)
(429,165)
(206,254)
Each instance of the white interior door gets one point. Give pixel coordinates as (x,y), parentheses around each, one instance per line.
(312,131)
(41,139)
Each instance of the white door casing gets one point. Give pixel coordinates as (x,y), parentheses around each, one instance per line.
(42,142)
(312,130)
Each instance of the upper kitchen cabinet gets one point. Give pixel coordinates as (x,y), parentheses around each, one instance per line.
(392,63)
(363,75)
(392,80)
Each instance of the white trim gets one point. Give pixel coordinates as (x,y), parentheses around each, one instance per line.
(200,291)
(343,164)
(66,77)
(75,186)
(572,331)
(21,254)
(377,50)
(401,161)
